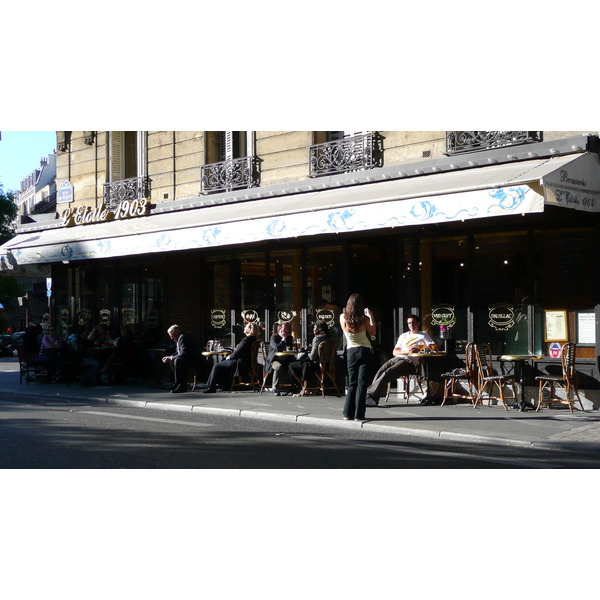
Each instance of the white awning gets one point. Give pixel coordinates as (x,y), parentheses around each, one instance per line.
(508,189)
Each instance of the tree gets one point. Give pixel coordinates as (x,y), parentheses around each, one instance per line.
(8,214)
(9,286)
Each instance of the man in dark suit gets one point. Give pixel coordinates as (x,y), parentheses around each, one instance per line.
(186,356)
(279,342)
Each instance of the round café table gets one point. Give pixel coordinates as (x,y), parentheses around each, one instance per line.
(425,357)
(519,361)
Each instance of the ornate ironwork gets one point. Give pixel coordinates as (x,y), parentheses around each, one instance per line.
(135,188)
(356,153)
(234,174)
(469,141)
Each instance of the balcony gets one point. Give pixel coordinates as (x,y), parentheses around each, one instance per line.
(135,188)
(471,141)
(355,153)
(45,205)
(228,175)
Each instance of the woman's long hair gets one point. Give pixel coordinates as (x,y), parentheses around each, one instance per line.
(354,313)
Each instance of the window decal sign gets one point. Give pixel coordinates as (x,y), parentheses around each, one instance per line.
(502,316)
(218,318)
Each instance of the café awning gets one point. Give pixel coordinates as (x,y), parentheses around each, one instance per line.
(507,189)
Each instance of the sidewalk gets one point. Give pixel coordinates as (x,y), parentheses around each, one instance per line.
(551,428)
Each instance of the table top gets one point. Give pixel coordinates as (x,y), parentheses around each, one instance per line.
(216,352)
(427,354)
(286,353)
(521,357)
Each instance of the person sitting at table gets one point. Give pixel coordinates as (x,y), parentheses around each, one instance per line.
(51,348)
(185,356)
(100,337)
(279,342)
(124,356)
(401,363)
(303,368)
(236,364)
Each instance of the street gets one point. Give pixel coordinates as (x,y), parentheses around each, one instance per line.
(70,435)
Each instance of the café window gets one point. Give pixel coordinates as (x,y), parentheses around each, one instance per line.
(502,291)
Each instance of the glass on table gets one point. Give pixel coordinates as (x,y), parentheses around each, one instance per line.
(421,348)
(431,347)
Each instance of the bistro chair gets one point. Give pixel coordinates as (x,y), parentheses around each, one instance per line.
(28,369)
(466,376)
(487,377)
(265,375)
(325,373)
(567,382)
(417,376)
(253,374)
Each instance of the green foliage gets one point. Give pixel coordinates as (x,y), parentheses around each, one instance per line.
(8,214)
(10,288)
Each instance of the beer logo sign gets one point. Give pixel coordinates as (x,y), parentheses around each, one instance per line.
(443,314)
(502,316)
(218,318)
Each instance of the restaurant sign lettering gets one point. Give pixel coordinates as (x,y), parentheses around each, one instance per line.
(443,315)
(250,316)
(326,315)
(286,315)
(502,316)
(218,318)
(85,215)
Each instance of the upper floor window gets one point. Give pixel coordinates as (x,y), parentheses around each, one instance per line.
(471,141)
(231,162)
(345,151)
(127,168)
(126,155)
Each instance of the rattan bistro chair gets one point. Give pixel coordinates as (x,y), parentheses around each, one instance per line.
(487,378)
(567,381)
(466,376)
(405,390)
(253,375)
(326,373)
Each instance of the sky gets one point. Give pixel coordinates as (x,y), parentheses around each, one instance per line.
(20,154)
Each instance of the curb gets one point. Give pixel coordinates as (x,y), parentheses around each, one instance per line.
(306,418)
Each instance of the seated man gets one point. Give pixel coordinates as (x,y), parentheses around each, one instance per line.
(185,356)
(236,364)
(401,364)
(279,342)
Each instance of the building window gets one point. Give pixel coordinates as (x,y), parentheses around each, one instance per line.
(231,162)
(471,141)
(127,168)
(344,152)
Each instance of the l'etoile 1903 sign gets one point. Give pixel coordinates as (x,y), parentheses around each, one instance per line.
(84,215)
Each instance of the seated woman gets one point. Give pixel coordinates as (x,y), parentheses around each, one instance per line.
(238,362)
(301,369)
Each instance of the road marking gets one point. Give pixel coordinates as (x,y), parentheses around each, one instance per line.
(170,421)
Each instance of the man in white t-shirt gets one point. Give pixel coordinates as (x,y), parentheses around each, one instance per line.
(401,364)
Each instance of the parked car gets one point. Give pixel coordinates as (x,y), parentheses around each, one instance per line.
(11,342)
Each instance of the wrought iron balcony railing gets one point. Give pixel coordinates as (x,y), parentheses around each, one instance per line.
(135,188)
(471,141)
(356,153)
(228,175)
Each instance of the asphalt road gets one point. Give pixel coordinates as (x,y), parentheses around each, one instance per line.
(61,435)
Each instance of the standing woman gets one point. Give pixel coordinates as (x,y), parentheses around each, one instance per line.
(357,321)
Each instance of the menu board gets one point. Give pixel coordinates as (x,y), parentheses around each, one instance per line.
(586,328)
(556,326)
